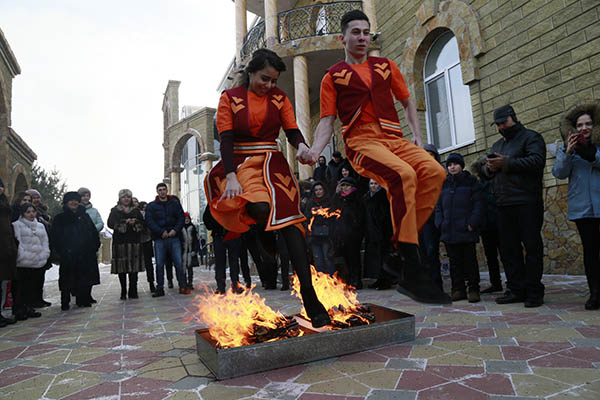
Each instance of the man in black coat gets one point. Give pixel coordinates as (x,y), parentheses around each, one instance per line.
(516,165)
(320,173)
(165,218)
(333,170)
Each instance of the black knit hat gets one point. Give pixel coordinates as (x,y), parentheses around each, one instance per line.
(457,159)
(71,196)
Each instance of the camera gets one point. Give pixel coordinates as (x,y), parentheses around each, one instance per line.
(581,137)
(491,155)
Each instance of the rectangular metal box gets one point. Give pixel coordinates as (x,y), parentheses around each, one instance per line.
(391,327)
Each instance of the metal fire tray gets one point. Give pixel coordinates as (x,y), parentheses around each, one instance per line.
(391,327)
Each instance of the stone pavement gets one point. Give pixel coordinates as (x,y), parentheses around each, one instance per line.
(144,349)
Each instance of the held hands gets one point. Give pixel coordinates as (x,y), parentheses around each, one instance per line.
(304,155)
(232,188)
(172,233)
(496,163)
(417,140)
(164,235)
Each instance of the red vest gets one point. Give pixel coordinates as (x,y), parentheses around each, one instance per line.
(269,130)
(353,94)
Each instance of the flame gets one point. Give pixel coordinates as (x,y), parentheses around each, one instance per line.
(233,319)
(335,295)
(323,212)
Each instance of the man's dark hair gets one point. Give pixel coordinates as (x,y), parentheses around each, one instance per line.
(350,16)
(161,184)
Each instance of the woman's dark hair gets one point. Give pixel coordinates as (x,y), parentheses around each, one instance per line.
(25,207)
(579,114)
(261,58)
(319,183)
(19,197)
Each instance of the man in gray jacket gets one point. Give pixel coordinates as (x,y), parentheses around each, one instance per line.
(516,164)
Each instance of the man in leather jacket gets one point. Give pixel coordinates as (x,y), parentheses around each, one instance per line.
(516,165)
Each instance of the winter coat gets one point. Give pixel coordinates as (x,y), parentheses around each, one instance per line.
(34,249)
(190,245)
(75,240)
(8,242)
(520,180)
(320,173)
(461,204)
(163,216)
(95,216)
(312,205)
(350,227)
(127,253)
(584,176)
(332,174)
(491,214)
(378,218)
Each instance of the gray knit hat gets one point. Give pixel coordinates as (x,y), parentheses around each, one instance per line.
(125,192)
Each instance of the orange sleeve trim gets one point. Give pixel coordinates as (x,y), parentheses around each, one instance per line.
(328,97)
(224,114)
(398,83)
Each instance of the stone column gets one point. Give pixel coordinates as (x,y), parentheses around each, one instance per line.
(271,22)
(369,9)
(241,26)
(176,182)
(302,107)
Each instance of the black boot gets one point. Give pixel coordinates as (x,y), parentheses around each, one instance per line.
(405,264)
(159,292)
(133,294)
(65,299)
(152,287)
(593,303)
(123,282)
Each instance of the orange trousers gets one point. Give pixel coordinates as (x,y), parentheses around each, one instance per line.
(412,178)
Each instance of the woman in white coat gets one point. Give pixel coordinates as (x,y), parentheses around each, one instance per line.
(32,255)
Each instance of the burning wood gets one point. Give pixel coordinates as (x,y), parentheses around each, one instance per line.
(240,319)
(339,300)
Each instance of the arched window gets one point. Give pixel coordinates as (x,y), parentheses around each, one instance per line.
(449,114)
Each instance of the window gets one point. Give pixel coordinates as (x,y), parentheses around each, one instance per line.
(449,114)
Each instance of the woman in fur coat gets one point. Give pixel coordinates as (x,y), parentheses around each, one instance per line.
(127,224)
(190,245)
(75,240)
(579,160)
(32,256)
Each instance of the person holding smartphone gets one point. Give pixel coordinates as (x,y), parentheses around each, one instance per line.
(579,161)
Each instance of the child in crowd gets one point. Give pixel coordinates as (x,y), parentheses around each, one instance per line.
(459,215)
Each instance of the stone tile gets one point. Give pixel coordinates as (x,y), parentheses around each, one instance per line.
(190,383)
(281,391)
(226,392)
(184,396)
(492,325)
(168,362)
(285,374)
(406,364)
(418,380)
(558,361)
(585,342)
(451,391)
(176,353)
(365,356)
(455,359)
(536,386)
(427,352)
(497,341)
(453,372)
(255,380)
(197,370)
(392,395)
(484,352)
(71,382)
(571,376)
(491,384)
(119,376)
(340,386)
(59,369)
(30,389)
(577,393)
(353,368)
(105,390)
(395,351)
(507,367)
(569,324)
(383,379)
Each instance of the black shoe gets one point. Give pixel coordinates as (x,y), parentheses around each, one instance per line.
(92,300)
(42,304)
(65,307)
(159,292)
(3,324)
(84,304)
(248,284)
(152,287)
(270,286)
(220,291)
(123,294)
(384,286)
(237,288)
(284,288)
(133,294)
(533,302)
(170,284)
(31,313)
(320,320)
(593,303)
(509,298)
(492,289)
(7,321)
(405,264)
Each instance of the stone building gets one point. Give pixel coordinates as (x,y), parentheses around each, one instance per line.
(461,60)
(16,158)
(189,150)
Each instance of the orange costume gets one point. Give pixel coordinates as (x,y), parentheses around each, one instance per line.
(361,95)
(248,126)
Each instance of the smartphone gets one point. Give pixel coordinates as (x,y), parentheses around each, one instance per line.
(492,155)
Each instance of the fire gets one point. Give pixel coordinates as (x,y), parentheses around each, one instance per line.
(239,319)
(337,297)
(323,212)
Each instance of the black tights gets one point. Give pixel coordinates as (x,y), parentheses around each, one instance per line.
(589,231)
(297,251)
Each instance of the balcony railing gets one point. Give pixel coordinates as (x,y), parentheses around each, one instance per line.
(254,40)
(316,20)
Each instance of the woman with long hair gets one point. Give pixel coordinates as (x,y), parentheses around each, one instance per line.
(253,183)
(127,224)
(579,160)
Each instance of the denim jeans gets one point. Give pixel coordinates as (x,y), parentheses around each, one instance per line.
(320,249)
(171,246)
